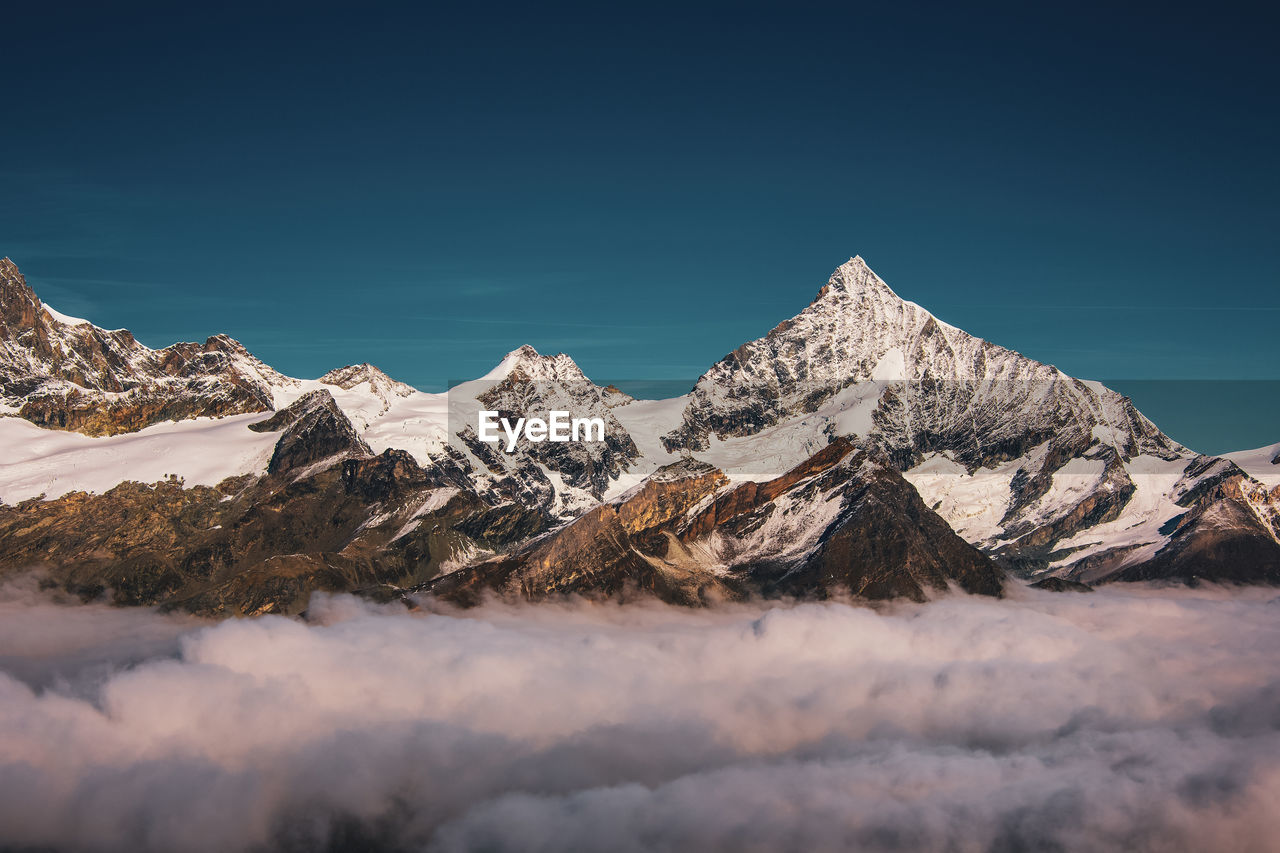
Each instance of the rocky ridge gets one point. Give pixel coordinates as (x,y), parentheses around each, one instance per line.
(62,373)
(862,448)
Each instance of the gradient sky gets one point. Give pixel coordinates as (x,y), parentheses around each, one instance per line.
(645,187)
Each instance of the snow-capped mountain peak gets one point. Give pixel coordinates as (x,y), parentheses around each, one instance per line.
(863,363)
(379,382)
(527,364)
(855,280)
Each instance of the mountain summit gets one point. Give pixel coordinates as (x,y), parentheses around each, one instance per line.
(527,364)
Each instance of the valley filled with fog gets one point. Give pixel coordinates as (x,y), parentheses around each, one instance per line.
(1133,717)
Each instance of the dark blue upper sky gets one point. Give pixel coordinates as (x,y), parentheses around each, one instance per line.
(645,187)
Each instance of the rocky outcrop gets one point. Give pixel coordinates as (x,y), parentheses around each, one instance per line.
(529,385)
(314,429)
(1231,534)
(1052,584)
(840,523)
(327,516)
(61,373)
(885,543)
(608,552)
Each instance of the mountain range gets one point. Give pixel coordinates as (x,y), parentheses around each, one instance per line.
(862,447)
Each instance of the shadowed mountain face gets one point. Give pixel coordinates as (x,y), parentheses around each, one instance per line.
(841,522)
(861,448)
(1227,535)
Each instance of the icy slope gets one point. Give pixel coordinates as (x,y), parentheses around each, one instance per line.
(203,451)
(1263,463)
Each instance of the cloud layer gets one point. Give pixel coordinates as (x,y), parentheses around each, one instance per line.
(1132,718)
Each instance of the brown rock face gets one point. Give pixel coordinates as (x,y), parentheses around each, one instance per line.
(85,412)
(19,308)
(751,495)
(877,539)
(839,522)
(327,517)
(665,498)
(98,382)
(1228,536)
(1061,585)
(611,551)
(593,556)
(315,430)
(887,544)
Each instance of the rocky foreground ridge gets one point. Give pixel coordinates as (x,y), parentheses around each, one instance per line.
(861,448)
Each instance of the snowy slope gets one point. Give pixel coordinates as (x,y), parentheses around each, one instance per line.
(1259,463)
(203,451)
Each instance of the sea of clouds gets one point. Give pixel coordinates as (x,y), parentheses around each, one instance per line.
(1133,718)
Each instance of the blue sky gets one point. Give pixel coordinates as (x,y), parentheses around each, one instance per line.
(645,187)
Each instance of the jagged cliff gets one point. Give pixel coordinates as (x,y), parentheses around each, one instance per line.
(62,373)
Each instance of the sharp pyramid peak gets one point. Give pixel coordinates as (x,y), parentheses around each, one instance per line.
(855,280)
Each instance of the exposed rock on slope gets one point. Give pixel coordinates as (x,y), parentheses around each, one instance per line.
(1052,584)
(1230,534)
(65,374)
(839,523)
(529,385)
(328,517)
(315,429)
(608,551)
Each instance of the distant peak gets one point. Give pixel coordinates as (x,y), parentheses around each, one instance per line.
(362,370)
(527,363)
(355,374)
